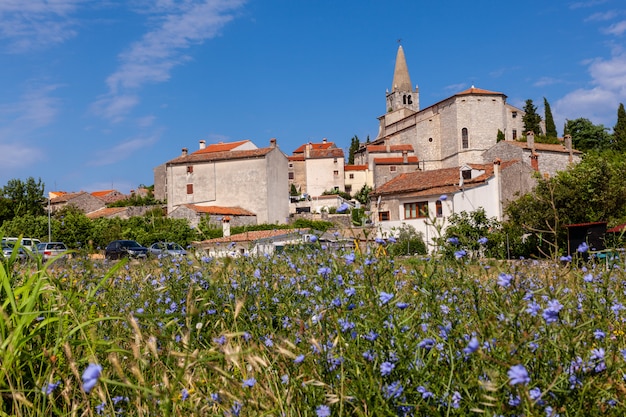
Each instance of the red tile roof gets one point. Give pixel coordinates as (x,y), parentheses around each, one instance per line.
(392,148)
(253,236)
(437,181)
(106,212)
(395,160)
(220,156)
(102,193)
(317,146)
(546,147)
(326,153)
(65,197)
(218,210)
(355,168)
(296,157)
(221,147)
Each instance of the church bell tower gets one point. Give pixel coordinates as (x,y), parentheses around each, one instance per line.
(402,95)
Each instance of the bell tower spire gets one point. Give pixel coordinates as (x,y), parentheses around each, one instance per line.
(402,94)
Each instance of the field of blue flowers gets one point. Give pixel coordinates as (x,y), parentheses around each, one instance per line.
(313,332)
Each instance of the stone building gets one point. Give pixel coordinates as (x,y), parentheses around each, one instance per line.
(452,132)
(317,167)
(237,174)
(82,200)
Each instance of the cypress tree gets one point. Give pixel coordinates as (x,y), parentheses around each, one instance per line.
(550,126)
(532,121)
(619,131)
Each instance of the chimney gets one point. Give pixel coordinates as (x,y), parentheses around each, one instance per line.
(405,157)
(272,142)
(387,146)
(568,145)
(226,226)
(530,140)
(202,144)
(534,160)
(307,150)
(324,140)
(185,151)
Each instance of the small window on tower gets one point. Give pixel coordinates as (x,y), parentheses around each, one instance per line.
(189,169)
(189,188)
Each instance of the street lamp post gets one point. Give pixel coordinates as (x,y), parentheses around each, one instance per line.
(49,215)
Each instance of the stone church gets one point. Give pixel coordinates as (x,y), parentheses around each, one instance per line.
(451,133)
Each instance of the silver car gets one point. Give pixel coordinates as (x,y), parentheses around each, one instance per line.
(49,250)
(166,249)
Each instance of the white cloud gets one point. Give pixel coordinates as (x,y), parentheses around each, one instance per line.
(34,24)
(599,102)
(19,155)
(123,150)
(616,29)
(114,107)
(179,26)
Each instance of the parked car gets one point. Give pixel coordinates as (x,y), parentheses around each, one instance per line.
(166,249)
(48,250)
(125,248)
(26,242)
(7,251)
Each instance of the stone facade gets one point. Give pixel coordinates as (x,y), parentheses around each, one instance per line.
(213,215)
(317,167)
(253,179)
(82,200)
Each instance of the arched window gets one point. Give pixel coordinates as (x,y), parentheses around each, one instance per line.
(464,138)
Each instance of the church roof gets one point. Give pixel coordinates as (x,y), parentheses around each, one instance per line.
(474,90)
(401,79)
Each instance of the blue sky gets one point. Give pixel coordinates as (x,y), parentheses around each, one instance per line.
(96,93)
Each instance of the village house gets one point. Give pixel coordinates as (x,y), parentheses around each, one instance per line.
(214,215)
(415,198)
(84,201)
(317,167)
(236,174)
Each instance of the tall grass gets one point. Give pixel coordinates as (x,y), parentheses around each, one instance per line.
(313,333)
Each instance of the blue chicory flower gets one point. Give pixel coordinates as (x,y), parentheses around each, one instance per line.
(460,254)
(249,383)
(453,240)
(583,247)
(90,376)
(483,241)
(385,297)
(472,346)
(322,411)
(386,368)
(518,375)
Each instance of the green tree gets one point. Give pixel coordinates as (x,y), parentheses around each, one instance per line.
(619,130)
(354,147)
(591,191)
(293,191)
(19,198)
(586,136)
(531,119)
(362,196)
(550,126)
(475,233)
(407,242)
(500,136)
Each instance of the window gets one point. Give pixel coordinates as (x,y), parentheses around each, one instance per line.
(392,168)
(336,173)
(290,165)
(189,188)
(291,176)
(406,99)
(465,138)
(348,188)
(335,160)
(514,134)
(467,174)
(189,169)
(439,208)
(383,216)
(351,176)
(514,114)
(416,210)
